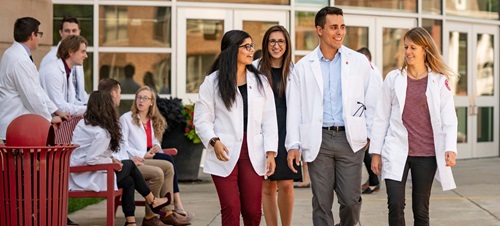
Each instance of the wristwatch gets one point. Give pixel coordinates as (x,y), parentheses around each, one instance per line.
(213,140)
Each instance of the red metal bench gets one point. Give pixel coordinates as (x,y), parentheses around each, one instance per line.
(112,196)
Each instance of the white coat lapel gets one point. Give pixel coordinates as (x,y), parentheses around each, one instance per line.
(400,84)
(432,93)
(316,69)
(345,71)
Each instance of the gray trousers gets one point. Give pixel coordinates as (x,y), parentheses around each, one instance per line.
(336,169)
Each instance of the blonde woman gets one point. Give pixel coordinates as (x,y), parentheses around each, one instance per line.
(415,127)
(143,127)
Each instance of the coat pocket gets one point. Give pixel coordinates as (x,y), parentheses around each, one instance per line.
(356,132)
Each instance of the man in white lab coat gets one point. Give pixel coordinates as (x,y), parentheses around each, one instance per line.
(20,90)
(70,26)
(330,103)
(56,76)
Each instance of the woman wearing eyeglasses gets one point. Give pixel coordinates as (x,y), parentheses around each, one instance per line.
(276,65)
(142,129)
(235,118)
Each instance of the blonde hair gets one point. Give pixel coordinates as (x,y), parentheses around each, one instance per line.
(159,123)
(433,58)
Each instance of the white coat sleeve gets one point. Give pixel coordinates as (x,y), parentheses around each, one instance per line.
(33,97)
(372,91)
(204,112)
(293,105)
(449,122)
(97,149)
(382,116)
(269,120)
(54,84)
(126,123)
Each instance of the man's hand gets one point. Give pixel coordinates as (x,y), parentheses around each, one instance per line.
(376,164)
(293,154)
(56,122)
(155,149)
(138,161)
(64,116)
(149,154)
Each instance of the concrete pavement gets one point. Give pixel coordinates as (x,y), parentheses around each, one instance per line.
(476,201)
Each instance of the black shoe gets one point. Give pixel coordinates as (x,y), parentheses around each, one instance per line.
(70,222)
(368,190)
(158,208)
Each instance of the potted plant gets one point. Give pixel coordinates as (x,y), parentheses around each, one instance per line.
(180,134)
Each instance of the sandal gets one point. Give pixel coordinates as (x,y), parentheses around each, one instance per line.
(158,208)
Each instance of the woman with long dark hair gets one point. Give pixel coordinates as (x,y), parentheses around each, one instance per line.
(235,118)
(276,64)
(98,136)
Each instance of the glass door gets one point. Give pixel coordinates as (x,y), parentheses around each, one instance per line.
(471,53)
(389,40)
(199,35)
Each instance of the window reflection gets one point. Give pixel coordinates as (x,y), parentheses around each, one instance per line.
(256,29)
(202,45)
(305,32)
(88,72)
(462,124)
(312,2)
(485,58)
(84,13)
(132,70)
(393,49)
(485,124)
(458,62)
(394,5)
(134,26)
(432,6)
(356,37)
(473,8)
(434,28)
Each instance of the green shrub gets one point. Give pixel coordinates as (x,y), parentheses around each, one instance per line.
(75,204)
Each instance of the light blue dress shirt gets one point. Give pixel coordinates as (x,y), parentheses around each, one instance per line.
(332,90)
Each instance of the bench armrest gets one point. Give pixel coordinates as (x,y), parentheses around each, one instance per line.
(107,167)
(170,151)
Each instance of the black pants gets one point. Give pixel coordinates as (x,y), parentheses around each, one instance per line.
(130,178)
(423,170)
(372,177)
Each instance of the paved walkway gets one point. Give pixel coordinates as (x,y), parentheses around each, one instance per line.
(476,201)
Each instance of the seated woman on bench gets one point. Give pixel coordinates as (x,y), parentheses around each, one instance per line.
(99,135)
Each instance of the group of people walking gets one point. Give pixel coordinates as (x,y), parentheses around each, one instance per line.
(258,119)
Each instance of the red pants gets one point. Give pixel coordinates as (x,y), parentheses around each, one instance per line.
(241,191)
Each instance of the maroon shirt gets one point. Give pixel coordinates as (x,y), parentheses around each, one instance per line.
(417,119)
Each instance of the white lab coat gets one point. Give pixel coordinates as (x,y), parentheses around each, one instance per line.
(134,137)
(212,119)
(305,102)
(390,137)
(20,90)
(93,150)
(60,88)
(76,70)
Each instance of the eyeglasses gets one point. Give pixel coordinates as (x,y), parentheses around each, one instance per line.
(142,98)
(39,33)
(273,42)
(248,47)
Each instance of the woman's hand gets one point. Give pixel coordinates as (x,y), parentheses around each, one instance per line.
(138,161)
(155,149)
(376,164)
(117,162)
(450,158)
(149,154)
(221,151)
(270,163)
